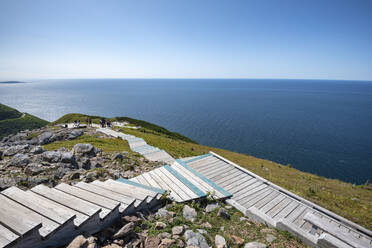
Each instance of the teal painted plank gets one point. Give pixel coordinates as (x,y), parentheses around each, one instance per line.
(185,181)
(123,180)
(199,157)
(207,180)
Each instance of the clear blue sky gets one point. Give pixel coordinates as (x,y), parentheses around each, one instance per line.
(186,39)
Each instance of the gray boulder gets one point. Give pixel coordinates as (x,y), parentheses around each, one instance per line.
(20,160)
(195,239)
(223,213)
(52,156)
(37,150)
(45,138)
(84,163)
(15,149)
(74,134)
(124,231)
(6,182)
(220,241)
(117,156)
(84,150)
(96,163)
(255,245)
(211,207)
(189,213)
(67,157)
(34,169)
(162,212)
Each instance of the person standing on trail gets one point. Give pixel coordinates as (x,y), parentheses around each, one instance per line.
(90,122)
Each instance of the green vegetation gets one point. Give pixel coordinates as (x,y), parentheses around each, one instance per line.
(8,112)
(348,200)
(13,121)
(145,126)
(108,145)
(243,228)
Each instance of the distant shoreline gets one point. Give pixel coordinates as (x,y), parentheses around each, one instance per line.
(13,82)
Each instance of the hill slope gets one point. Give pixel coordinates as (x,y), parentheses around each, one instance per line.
(13,121)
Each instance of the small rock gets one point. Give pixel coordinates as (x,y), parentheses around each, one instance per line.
(255,245)
(202,231)
(131,218)
(228,207)
(222,228)
(237,240)
(112,246)
(37,150)
(267,230)
(220,241)
(78,242)
(84,163)
(125,230)
(270,238)
(223,213)
(74,134)
(117,156)
(206,225)
(189,213)
(166,243)
(211,207)
(20,160)
(180,243)
(195,239)
(164,235)
(152,242)
(51,156)
(162,212)
(75,175)
(67,157)
(160,225)
(177,230)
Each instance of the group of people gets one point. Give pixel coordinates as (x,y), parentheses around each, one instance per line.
(105,123)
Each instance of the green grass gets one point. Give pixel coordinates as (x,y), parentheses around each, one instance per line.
(108,145)
(146,126)
(12,126)
(348,200)
(7,112)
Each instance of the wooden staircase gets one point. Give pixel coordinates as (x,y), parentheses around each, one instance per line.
(51,217)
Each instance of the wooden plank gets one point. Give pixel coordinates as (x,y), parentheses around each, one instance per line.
(260,191)
(209,165)
(88,196)
(217,169)
(106,193)
(164,185)
(295,213)
(272,203)
(134,179)
(142,180)
(279,207)
(208,159)
(182,190)
(67,200)
(235,186)
(299,221)
(22,220)
(253,199)
(335,231)
(253,192)
(283,213)
(121,189)
(235,174)
(196,180)
(6,236)
(151,191)
(266,200)
(42,206)
(247,189)
(192,159)
(150,180)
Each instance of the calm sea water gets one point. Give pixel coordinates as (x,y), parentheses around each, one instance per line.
(323,127)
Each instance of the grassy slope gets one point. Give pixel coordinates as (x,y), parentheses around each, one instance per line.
(12,121)
(69,118)
(350,201)
(8,112)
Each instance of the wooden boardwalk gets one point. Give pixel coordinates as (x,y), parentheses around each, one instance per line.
(139,145)
(266,202)
(50,217)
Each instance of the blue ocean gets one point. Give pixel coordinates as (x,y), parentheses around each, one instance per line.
(319,126)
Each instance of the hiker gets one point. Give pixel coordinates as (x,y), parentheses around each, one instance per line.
(108,123)
(87,121)
(90,122)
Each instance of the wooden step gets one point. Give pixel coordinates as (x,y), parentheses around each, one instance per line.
(146,188)
(70,201)
(42,206)
(7,237)
(126,202)
(122,189)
